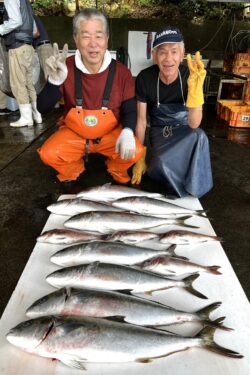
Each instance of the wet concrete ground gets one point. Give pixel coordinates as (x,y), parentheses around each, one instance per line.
(28,187)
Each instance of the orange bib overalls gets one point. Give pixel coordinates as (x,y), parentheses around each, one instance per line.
(87,131)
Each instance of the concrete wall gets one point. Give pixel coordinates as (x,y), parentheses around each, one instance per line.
(196,35)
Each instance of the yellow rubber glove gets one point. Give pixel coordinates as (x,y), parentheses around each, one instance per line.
(139,168)
(195,97)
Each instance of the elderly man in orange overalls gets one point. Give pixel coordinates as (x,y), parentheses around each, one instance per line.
(100,105)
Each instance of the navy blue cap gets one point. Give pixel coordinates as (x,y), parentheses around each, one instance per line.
(167,35)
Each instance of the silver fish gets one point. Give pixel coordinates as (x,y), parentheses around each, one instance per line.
(132,237)
(105,276)
(109,192)
(106,222)
(106,252)
(76,206)
(117,306)
(153,207)
(184,237)
(171,266)
(66,236)
(75,342)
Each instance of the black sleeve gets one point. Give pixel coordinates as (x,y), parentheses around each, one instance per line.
(48,97)
(140,88)
(128,114)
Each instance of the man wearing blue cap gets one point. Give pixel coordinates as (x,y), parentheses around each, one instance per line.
(171,93)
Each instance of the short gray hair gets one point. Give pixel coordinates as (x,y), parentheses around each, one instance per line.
(89,14)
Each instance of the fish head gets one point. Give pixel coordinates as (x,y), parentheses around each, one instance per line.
(56,236)
(64,276)
(89,193)
(49,304)
(173,237)
(153,263)
(59,205)
(125,203)
(78,221)
(30,334)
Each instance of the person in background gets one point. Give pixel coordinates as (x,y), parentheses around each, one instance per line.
(3,104)
(172,95)
(99,103)
(17,30)
(42,45)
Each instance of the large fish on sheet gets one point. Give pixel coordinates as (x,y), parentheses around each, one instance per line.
(76,206)
(148,206)
(106,276)
(118,306)
(107,222)
(75,342)
(184,237)
(171,266)
(109,192)
(66,236)
(106,252)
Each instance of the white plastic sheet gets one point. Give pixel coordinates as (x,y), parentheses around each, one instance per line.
(225,288)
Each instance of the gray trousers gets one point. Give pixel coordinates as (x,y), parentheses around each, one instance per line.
(3,100)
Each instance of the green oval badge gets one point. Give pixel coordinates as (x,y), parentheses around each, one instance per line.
(90,120)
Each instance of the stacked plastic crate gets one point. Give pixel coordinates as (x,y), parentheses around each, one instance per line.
(237,112)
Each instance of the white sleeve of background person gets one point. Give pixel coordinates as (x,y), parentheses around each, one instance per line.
(15,19)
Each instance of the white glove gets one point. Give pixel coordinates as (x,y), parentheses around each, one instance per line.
(56,66)
(125,144)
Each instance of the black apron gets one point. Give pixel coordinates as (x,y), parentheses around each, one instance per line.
(180,155)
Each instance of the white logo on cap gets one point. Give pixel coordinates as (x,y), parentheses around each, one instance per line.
(166,32)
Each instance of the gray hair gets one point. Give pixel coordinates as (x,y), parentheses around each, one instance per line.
(89,14)
(181,44)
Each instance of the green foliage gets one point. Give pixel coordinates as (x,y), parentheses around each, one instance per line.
(146,3)
(47,7)
(190,9)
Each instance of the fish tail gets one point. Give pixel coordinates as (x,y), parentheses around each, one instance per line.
(217,323)
(181,221)
(202,213)
(214,270)
(207,336)
(205,313)
(171,249)
(189,286)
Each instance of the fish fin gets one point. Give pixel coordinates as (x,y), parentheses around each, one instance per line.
(206,311)
(207,336)
(217,323)
(214,270)
(73,362)
(116,318)
(188,285)
(144,360)
(181,222)
(180,257)
(201,213)
(150,292)
(148,360)
(125,291)
(170,250)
